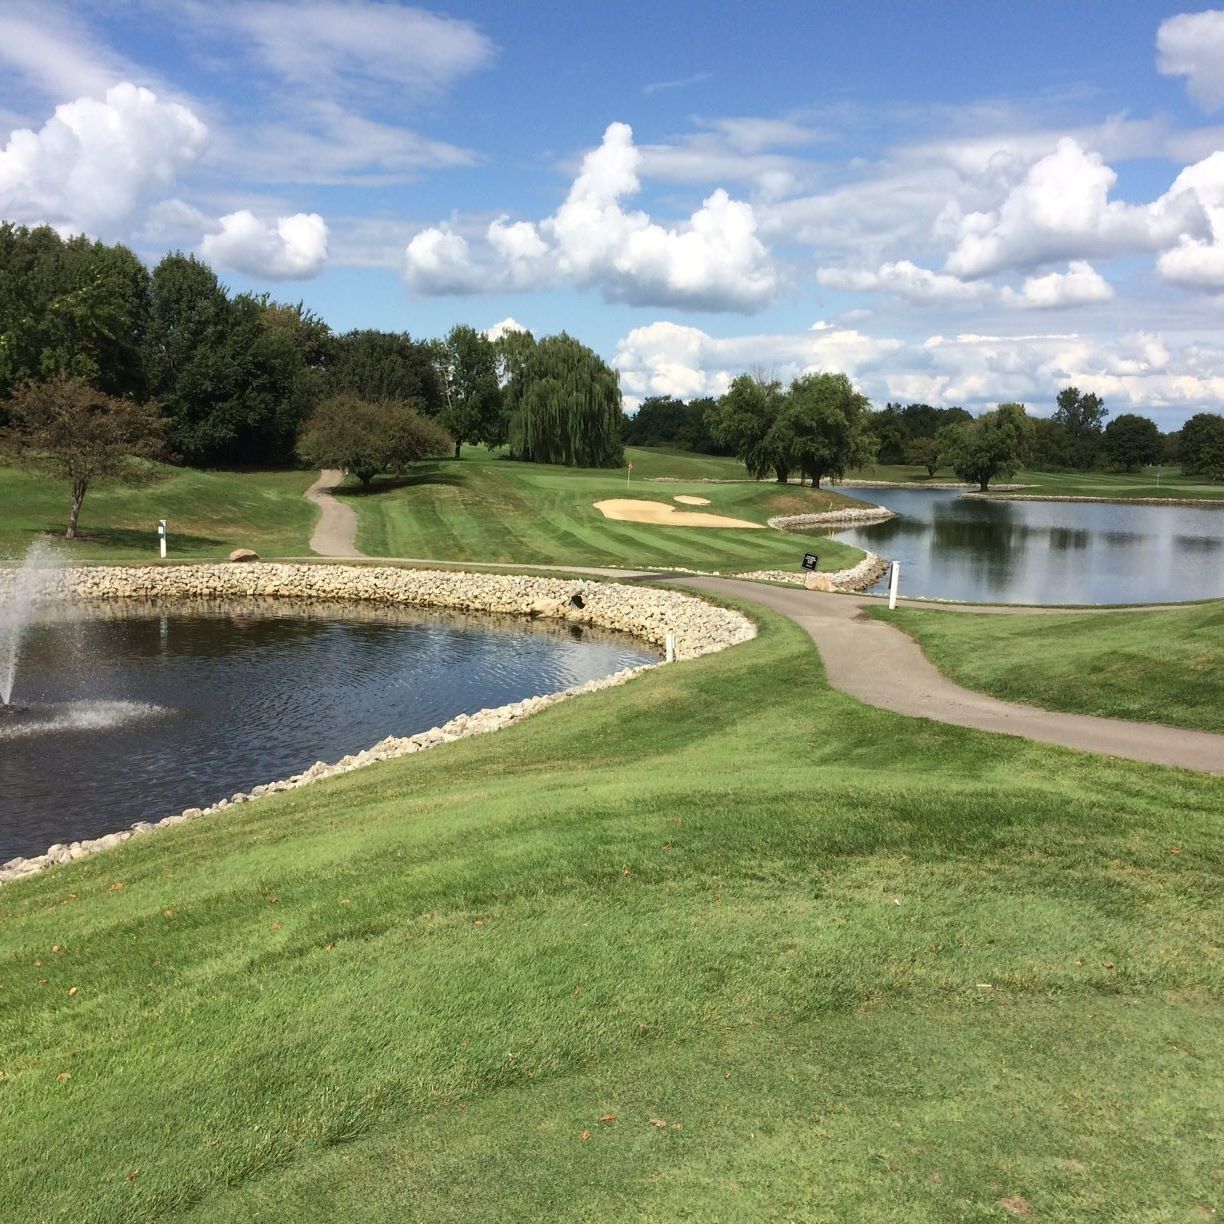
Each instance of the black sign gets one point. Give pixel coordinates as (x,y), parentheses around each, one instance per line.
(810,561)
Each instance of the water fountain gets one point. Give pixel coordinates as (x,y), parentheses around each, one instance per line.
(30,583)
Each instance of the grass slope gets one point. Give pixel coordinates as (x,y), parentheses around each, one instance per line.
(1150,666)
(208,514)
(482,508)
(766,954)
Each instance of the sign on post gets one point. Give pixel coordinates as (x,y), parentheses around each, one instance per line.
(810,561)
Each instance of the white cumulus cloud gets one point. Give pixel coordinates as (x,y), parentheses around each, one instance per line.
(97,163)
(1080,285)
(292,248)
(508,324)
(1192,45)
(1197,263)
(1062,210)
(714,260)
(666,358)
(905,279)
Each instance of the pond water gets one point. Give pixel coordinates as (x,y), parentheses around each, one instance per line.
(986,551)
(139,712)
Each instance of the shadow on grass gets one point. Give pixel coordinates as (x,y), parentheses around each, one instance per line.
(129,538)
(425,474)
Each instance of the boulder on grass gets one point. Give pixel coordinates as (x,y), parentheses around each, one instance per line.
(243,554)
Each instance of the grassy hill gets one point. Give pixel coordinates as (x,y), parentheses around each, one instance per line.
(720,945)
(208,514)
(487,508)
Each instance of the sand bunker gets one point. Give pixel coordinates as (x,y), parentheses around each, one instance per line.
(685,500)
(631,510)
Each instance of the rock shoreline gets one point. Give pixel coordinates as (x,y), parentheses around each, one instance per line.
(1201,503)
(645,612)
(857,578)
(832,518)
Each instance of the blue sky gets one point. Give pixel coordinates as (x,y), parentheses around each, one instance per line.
(959,203)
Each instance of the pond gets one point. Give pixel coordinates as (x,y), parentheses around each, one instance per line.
(138,712)
(1021,552)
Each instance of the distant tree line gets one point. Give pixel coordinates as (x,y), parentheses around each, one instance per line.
(242,380)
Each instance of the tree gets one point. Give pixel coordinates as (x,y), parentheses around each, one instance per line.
(67,428)
(742,421)
(380,366)
(365,439)
(471,394)
(995,444)
(1131,441)
(71,306)
(889,426)
(924,452)
(1082,416)
(823,427)
(1201,447)
(565,406)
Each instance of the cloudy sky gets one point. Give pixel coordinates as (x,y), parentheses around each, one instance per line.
(957,202)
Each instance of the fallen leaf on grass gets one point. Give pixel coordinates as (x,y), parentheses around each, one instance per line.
(117,886)
(329,946)
(72,991)
(276,926)
(133,1175)
(607,1118)
(63,1076)
(1176,850)
(56,948)
(586,1134)
(659,1122)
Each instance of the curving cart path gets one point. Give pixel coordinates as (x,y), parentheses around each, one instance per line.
(881,666)
(868,659)
(335,534)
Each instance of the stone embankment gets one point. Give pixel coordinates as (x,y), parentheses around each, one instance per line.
(857,578)
(646,612)
(833,518)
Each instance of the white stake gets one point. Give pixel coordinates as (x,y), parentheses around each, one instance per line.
(671,646)
(161,532)
(892,585)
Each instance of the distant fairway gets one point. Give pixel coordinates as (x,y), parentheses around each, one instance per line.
(483,508)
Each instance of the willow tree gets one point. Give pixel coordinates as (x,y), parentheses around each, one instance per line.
(565,406)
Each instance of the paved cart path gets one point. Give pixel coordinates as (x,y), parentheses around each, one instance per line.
(881,666)
(335,534)
(868,659)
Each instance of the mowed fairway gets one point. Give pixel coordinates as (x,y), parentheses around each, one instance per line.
(208,514)
(720,945)
(483,508)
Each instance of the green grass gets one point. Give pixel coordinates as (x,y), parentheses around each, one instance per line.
(208,514)
(1165,666)
(485,508)
(819,961)
(1115,485)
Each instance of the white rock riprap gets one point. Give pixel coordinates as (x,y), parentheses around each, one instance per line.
(645,612)
(833,518)
(857,578)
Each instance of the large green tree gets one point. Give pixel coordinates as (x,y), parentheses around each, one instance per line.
(743,421)
(366,439)
(824,427)
(1131,441)
(466,362)
(995,444)
(379,366)
(1201,449)
(71,306)
(73,431)
(565,406)
(1082,415)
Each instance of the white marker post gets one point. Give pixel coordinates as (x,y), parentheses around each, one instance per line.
(629,473)
(892,585)
(161,535)
(670,656)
